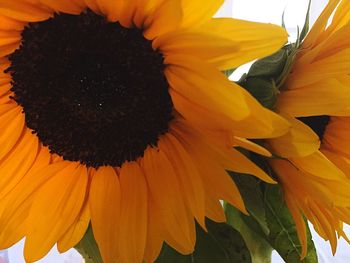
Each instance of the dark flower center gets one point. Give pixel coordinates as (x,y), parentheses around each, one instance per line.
(317,123)
(92,91)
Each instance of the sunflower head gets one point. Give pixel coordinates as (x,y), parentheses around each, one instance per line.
(116,113)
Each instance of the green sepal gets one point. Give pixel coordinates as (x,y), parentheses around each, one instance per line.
(282,235)
(222,243)
(269,67)
(88,248)
(306,27)
(265,91)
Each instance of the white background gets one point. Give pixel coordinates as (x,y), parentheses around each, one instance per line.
(269,11)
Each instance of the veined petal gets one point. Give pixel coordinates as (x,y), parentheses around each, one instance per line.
(330,96)
(67,6)
(206,86)
(12,126)
(299,222)
(53,212)
(329,67)
(197,12)
(154,232)
(166,17)
(76,231)
(10,24)
(226,43)
(18,162)
(215,179)
(214,209)
(133,213)
(23,11)
(9,48)
(320,24)
(189,178)
(104,200)
(110,8)
(300,141)
(92,4)
(317,164)
(251,146)
(165,191)
(9,37)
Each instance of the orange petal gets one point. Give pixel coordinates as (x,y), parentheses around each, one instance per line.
(18,162)
(165,190)
(133,213)
(22,11)
(76,231)
(154,232)
(66,6)
(53,212)
(189,178)
(104,203)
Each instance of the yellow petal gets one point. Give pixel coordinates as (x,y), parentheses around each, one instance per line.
(189,178)
(320,24)
(8,49)
(214,210)
(197,12)
(299,222)
(214,177)
(300,141)
(226,43)
(144,9)
(104,203)
(207,87)
(53,212)
(154,232)
(67,6)
(22,11)
(242,164)
(110,8)
(336,136)
(317,164)
(326,97)
(92,4)
(9,37)
(165,18)
(249,145)
(329,67)
(76,231)
(165,190)
(18,162)
(21,198)
(133,213)
(11,126)
(7,23)
(341,162)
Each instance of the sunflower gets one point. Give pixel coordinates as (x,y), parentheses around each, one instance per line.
(116,112)
(315,98)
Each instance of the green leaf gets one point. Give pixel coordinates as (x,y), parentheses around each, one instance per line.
(221,244)
(283,234)
(259,249)
(88,248)
(250,190)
